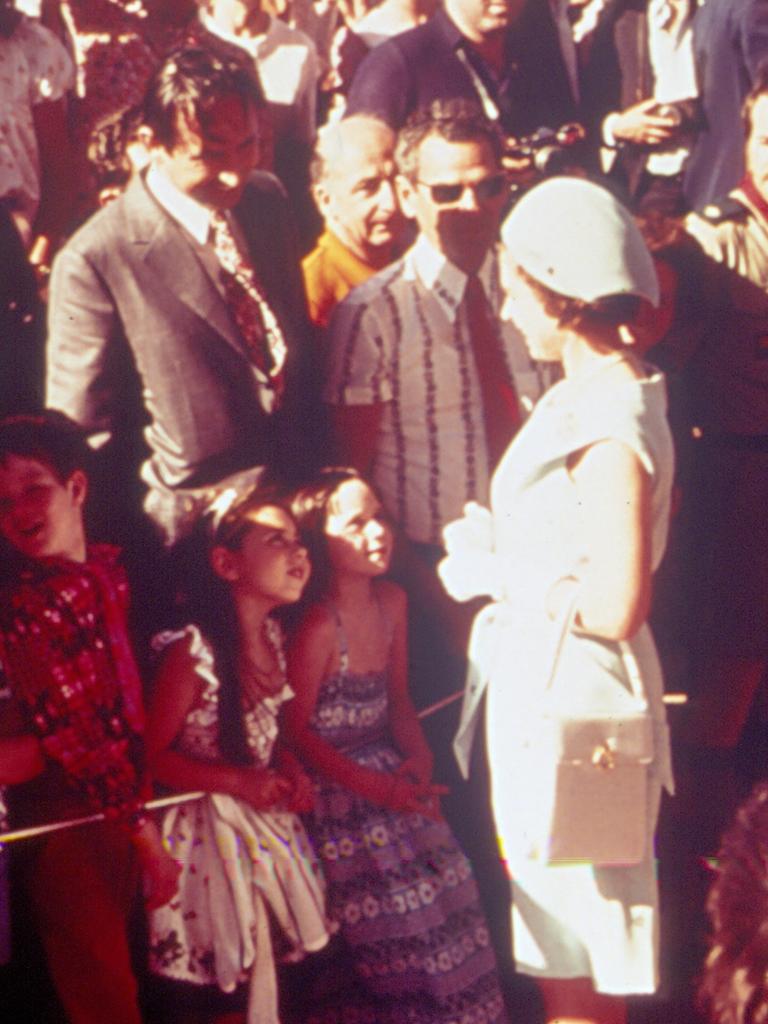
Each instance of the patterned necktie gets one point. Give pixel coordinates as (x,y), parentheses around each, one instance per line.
(501,410)
(255,320)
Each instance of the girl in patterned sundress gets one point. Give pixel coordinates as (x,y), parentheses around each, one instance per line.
(248,876)
(398,884)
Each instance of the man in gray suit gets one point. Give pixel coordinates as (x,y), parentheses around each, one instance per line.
(153,324)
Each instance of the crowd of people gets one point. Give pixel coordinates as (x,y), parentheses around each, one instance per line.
(354,358)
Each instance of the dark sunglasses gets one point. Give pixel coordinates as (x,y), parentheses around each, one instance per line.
(447,195)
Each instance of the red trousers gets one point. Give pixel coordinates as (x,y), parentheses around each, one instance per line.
(81,884)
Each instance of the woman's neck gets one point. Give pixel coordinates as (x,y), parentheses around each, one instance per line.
(581,355)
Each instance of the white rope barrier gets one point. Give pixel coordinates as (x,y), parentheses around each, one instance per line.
(56,826)
(178,798)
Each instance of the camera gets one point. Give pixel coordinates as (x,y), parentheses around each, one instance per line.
(548,151)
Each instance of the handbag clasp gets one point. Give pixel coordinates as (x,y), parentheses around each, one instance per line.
(603,757)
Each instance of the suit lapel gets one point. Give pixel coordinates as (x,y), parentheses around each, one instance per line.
(177,261)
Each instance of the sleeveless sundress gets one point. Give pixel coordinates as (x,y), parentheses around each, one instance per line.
(398,883)
(250,887)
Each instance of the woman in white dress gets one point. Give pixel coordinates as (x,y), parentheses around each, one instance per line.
(577,525)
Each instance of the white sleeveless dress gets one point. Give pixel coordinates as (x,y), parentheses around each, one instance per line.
(250,887)
(569,920)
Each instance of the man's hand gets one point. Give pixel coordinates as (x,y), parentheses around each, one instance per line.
(643,124)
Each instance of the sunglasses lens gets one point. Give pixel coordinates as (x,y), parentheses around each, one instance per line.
(444,194)
(447,195)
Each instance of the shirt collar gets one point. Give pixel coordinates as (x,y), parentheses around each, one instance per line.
(444,279)
(192,216)
(448,28)
(104,556)
(251,44)
(349,263)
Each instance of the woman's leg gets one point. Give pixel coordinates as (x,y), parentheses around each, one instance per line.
(574,1001)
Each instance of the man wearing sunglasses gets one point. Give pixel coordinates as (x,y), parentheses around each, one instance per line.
(404,377)
(426,385)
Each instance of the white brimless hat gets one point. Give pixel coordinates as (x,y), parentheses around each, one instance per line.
(576,238)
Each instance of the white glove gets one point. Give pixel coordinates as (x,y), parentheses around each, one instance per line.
(470,568)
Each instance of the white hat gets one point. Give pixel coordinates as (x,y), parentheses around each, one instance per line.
(577,239)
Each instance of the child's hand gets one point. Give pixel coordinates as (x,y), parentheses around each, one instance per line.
(417,768)
(421,797)
(160,870)
(161,880)
(400,794)
(263,788)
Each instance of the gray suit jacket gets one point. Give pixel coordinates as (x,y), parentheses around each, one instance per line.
(140,331)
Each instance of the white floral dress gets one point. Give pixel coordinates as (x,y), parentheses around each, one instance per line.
(240,868)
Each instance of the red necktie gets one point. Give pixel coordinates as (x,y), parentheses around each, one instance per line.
(501,411)
(255,320)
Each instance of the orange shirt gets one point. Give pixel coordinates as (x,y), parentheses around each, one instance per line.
(331,271)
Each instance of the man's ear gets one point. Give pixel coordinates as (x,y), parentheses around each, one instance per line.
(225,564)
(321,197)
(78,487)
(406,193)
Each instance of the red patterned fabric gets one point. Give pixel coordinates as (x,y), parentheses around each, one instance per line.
(250,309)
(65,650)
(501,412)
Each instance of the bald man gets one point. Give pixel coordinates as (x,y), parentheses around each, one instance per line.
(352,184)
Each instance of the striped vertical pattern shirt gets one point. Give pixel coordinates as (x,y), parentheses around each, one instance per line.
(401,339)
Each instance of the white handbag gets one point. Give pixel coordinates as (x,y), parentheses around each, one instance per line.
(599,807)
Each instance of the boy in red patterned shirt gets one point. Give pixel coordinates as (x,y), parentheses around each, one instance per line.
(75,688)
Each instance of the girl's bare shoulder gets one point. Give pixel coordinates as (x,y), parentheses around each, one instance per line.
(317,625)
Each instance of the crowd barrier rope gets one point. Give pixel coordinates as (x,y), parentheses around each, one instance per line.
(34,831)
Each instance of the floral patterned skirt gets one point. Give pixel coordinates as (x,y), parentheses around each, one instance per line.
(407,904)
(247,879)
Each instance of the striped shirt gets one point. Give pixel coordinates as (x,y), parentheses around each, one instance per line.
(401,339)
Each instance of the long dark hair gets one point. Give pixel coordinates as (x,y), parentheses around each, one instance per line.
(734,987)
(309,507)
(207,601)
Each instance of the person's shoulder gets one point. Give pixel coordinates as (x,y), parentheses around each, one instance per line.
(409,47)
(375,290)
(319,282)
(367,312)
(112,225)
(732,208)
(33,586)
(388,73)
(285,34)
(722,223)
(314,263)
(35,37)
(317,626)
(47,58)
